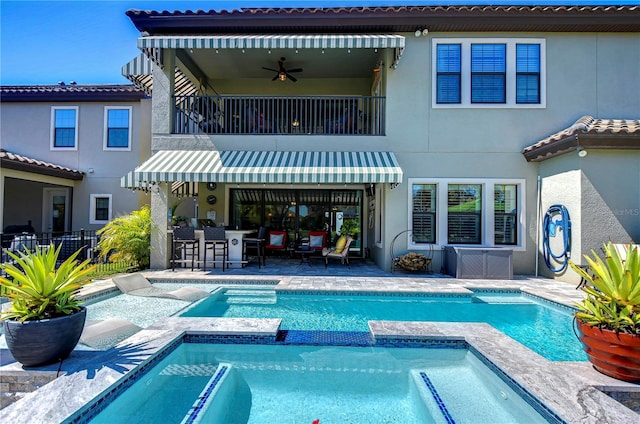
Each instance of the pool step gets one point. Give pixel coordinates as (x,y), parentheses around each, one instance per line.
(240,296)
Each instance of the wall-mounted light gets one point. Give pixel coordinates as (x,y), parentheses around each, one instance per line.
(295,123)
(217,51)
(581,152)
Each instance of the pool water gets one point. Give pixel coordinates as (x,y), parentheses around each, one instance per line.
(299,384)
(542,328)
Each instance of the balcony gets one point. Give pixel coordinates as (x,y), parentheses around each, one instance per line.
(279,115)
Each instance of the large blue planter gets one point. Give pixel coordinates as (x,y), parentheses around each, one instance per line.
(34,343)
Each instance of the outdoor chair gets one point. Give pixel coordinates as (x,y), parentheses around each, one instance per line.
(340,251)
(256,245)
(317,240)
(184,243)
(216,241)
(277,241)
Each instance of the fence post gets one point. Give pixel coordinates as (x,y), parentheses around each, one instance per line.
(83,254)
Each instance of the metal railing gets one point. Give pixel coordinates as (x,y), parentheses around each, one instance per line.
(294,115)
(71,241)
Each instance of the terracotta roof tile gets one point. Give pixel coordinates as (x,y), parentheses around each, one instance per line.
(70,92)
(23,163)
(588,132)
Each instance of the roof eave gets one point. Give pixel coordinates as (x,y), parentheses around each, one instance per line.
(586,141)
(399,19)
(38,169)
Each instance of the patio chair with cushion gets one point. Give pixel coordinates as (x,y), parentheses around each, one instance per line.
(317,240)
(277,241)
(340,251)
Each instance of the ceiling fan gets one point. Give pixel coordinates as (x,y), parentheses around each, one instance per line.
(282,73)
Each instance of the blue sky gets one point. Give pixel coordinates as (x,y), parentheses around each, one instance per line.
(43,42)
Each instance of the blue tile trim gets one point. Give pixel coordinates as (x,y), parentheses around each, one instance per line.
(199,405)
(495,291)
(372,293)
(93,408)
(415,342)
(437,398)
(552,303)
(221,282)
(326,338)
(229,339)
(540,407)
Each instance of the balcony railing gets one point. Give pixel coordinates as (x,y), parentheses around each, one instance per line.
(317,115)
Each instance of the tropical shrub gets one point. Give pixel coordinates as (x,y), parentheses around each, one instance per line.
(127,238)
(613,290)
(38,289)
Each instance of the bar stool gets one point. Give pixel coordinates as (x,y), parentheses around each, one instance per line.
(215,239)
(184,239)
(256,245)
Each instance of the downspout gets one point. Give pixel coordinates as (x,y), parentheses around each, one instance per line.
(538,210)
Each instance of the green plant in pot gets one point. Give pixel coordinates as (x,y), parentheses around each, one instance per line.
(45,319)
(350,227)
(608,318)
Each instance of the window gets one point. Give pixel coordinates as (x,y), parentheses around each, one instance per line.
(100,209)
(424,213)
(528,73)
(454,211)
(117,134)
(488,73)
(448,73)
(64,124)
(505,213)
(464,214)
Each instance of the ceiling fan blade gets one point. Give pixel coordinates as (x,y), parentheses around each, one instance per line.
(291,77)
(270,69)
(294,70)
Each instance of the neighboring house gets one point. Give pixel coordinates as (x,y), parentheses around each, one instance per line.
(64,149)
(407,118)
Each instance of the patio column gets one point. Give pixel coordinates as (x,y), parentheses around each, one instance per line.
(160,249)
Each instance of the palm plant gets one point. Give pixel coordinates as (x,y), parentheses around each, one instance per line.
(613,290)
(37,289)
(127,238)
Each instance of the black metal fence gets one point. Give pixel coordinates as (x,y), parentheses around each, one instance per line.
(312,115)
(71,241)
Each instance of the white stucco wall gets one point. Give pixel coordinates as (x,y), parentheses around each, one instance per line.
(26,130)
(586,73)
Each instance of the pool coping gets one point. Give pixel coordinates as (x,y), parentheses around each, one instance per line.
(575,396)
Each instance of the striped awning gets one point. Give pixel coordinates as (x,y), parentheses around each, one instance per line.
(273,41)
(140,72)
(266,167)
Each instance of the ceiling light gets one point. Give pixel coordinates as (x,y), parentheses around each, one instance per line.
(418,33)
(282,76)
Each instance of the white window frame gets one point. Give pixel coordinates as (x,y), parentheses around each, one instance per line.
(488,211)
(52,134)
(92,208)
(465,73)
(105,132)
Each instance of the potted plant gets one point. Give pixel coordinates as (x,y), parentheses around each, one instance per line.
(350,227)
(45,320)
(608,318)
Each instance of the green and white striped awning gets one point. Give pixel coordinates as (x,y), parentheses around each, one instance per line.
(273,41)
(266,167)
(140,72)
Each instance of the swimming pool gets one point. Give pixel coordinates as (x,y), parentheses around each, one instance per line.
(543,328)
(240,383)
